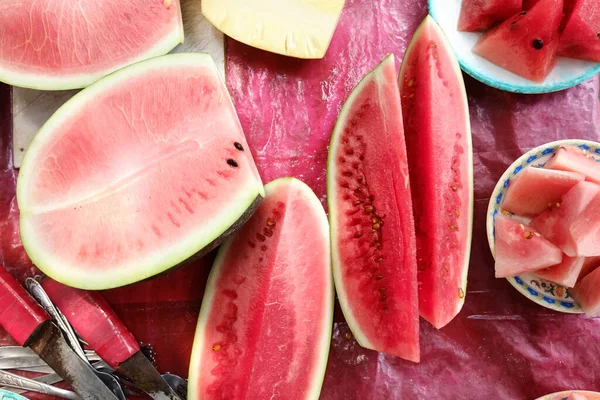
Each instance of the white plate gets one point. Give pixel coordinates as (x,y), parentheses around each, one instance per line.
(567,73)
(540,291)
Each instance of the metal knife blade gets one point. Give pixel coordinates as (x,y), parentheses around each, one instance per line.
(142,373)
(21,362)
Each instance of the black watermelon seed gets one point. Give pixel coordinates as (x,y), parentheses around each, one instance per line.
(239,146)
(523,13)
(232,162)
(538,44)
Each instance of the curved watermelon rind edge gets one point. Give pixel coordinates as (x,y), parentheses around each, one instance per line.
(430,22)
(47,82)
(238,213)
(199,342)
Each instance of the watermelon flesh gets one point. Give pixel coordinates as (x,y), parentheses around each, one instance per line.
(575,160)
(525,44)
(534,189)
(555,224)
(50,46)
(520,249)
(136,174)
(585,230)
(370,210)
(265,324)
(581,35)
(590,264)
(565,273)
(480,15)
(438,140)
(587,295)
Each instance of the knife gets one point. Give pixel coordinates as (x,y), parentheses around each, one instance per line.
(95,321)
(25,320)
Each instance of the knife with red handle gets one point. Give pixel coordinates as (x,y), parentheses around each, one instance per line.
(95,321)
(27,322)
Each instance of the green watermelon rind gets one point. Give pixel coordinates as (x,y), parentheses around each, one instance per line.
(430,22)
(199,343)
(49,82)
(249,195)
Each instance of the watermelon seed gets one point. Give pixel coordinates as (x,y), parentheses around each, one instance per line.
(216,347)
(457,213)
(358,235)
(461,293)
(383,297)
(348,335)
(538,44)
(528,234)
(270,222)
(260,237)
(359,179)
(357,202)
(239,146)
(557,205)
(378,277)
(453,227)
(268,232)
(349,152)
(380,259)
(376,226)
(361,157)
(411,83)
(232,162)
(369,209)
(347,174)
(523,13)
(379,246)
(412,95)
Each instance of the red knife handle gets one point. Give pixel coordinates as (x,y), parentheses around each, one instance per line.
(20,314)
(94,320)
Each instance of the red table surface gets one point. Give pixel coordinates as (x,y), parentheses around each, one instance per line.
(501,346)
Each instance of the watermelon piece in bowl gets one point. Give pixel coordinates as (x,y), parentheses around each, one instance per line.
(480,15)
(585,230)
(566,273)
(581,35)
(590,264)
(587,293)
(569,158)
(534,189)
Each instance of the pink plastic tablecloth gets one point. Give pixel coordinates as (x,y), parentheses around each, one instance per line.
(501,346)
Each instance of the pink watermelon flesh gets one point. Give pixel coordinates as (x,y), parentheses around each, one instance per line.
(555,224)
(480,15)
(585,230)
(525,44)
(136,174)
(565,273)
(581,35)
(568,158)
(54,45)
(520,249)
(534,189)
(438,140)
(587,295)
(373,239)
(590,264)
(265,324)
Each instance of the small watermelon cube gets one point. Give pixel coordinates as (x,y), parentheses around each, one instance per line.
(565,273)
(585,230)
(590,264)
(481,15)
(581,35)
(525,44)
(569,158)
(555,224)
(521,249)
(535,189)
(587,293)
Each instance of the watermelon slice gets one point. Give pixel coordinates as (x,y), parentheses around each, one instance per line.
(370,209)
(296,28)
(585,230)
(520,249)
(480,15)
(568,158)
(136,174)
(534,189)
(525,44)
(565,273)
(265,325)
(587,295)
(54,45)
(581,35)
(555,224)
(438,140)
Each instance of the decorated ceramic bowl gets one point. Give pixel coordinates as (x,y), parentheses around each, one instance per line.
(543,292)
(567,73)
(6,395)
(565,395)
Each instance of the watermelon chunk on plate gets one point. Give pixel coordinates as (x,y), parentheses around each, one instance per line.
(565,273)
(481,15)
(590,264)
(587,294)
(521,249)
(581,35)
(525,44)
(575,160)
(555,224)
(532,190)
(585,230)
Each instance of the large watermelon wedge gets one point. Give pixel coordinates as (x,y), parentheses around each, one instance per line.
(56,45)
(438,141)
(372,230)
(135,174)
(265,324)
(581,36)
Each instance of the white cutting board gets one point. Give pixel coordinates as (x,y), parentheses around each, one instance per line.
(31,108)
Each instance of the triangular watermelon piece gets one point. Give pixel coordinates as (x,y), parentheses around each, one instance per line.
(481,15)
(525,44)
(581,35)
(587,295)
(569,158)
(565,273)
(521,249)
(585,230)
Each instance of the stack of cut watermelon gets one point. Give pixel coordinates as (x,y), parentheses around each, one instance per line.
(526,37)
(549,225)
